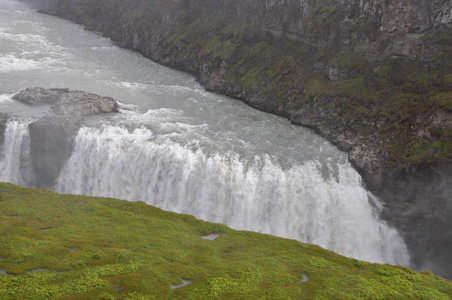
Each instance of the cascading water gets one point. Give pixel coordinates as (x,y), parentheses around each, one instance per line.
(15,153)
(331,210)
(180,148)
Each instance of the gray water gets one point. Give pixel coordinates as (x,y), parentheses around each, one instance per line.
(178,147)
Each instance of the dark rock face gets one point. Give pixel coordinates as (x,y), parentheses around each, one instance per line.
(419,204)
(51,144)
(51,137)
(373,77)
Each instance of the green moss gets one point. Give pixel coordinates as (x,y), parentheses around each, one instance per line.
(325,13)
(443,100)
(212,46)
(262,49)
(442,36)
(353,63)
(99,248)
(237,30)
(429,152)
(251,78)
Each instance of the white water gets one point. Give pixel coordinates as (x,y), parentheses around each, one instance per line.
(180,148)
(15,152)
(256,195)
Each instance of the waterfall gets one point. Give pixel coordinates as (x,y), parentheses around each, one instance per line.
(15,152)
(314,203)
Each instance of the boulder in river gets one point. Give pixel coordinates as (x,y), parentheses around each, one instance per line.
(40,96)
(65,101)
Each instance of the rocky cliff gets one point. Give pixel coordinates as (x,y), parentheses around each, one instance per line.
(372,76)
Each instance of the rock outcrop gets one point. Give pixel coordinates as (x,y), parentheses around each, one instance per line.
(67,102)
(374,77)
(51,137)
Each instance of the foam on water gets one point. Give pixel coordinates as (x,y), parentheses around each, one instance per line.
(10,63)
(30,39)
(6,98)
(133,85)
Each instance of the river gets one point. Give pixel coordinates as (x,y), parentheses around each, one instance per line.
(175,146)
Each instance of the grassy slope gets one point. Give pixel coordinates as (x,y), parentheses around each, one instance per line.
(98,248)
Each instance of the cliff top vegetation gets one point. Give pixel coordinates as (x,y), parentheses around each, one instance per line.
(71,247)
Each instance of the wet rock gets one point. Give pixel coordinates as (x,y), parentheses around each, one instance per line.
(65,101)
(39,96)
(51,143)
(84,104)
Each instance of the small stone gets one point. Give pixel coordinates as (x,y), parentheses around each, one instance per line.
(211,237)
(184,283)
(304,278)
(3,272)
(36,270)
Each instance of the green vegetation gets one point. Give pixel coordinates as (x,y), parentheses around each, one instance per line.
(72,247)
(442,36)
(325,13)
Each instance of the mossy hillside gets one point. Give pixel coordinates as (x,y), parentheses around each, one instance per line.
(71,247)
